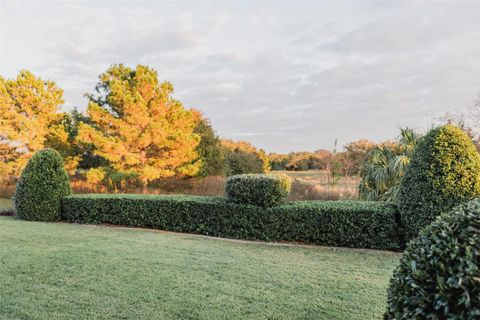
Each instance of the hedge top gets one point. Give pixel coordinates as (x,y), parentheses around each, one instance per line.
(263,190)
(41,187)
(444,171)
(439,273)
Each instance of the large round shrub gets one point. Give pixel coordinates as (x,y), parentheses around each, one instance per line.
(258,189)
(42,185)
(439,275)
(444,171)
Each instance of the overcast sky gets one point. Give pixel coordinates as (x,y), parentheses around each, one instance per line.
(284,76)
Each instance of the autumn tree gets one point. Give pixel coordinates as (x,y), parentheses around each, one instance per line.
(278,161)
(354,155)
(83,150)
(301,161)
(242,157)
(322,158)
(30,120)
(139,127)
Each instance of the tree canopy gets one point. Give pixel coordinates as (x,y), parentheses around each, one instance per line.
(242,157)
(30,120)
(209,149)
(139,127)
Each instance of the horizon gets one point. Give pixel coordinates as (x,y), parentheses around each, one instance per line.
(312,73)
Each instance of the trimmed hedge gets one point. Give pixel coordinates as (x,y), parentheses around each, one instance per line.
(355,224)
(439,273)
(358,224)
(444,172)
(41,187)
(258,189)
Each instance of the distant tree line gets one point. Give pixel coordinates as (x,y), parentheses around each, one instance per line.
(347,162)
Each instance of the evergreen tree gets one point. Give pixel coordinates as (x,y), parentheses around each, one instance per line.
(139,127)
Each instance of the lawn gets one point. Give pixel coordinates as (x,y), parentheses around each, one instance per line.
(66,271)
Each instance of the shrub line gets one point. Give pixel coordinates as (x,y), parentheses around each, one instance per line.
(354,224)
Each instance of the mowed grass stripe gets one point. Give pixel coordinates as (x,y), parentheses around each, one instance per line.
(64,271)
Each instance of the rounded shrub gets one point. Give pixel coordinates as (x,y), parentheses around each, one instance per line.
(41,187)
(439,275)
(258,189)
(444,171)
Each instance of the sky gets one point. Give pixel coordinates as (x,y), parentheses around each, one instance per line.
(285,76)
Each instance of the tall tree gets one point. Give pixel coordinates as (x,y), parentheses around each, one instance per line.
(139,127)
(83,150)
(209,149)
(30,120)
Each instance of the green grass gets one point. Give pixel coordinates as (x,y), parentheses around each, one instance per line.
(62,271)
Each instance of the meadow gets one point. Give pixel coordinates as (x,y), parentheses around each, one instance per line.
(306,185)
(69,271)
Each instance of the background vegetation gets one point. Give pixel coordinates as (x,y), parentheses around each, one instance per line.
(135,137)
(164,147)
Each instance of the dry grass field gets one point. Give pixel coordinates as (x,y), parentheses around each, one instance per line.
(319,185)
(306,185)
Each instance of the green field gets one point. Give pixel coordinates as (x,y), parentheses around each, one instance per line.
(65,271)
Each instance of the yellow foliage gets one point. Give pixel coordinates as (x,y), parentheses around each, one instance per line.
(29,120)
(139,127)
(95,175)
(247,147)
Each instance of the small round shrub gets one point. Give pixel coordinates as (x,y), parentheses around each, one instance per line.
(41,187)
(444,172)
(258,189)
(439,275)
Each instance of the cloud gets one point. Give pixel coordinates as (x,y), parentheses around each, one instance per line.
(285,76)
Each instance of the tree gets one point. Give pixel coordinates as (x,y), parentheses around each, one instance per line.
(354,155)
(209,149)
(83,150)
(29,121)
(278,161)
(242,157)
(467,121)
(322,159)
(385,165)
(301,161)
(139,127)
(444,172)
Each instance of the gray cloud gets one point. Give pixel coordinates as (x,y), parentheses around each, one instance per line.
(285,76)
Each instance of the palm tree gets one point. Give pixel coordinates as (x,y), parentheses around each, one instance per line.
(385,165)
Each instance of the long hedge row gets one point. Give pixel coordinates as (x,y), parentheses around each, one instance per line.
(357,224)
